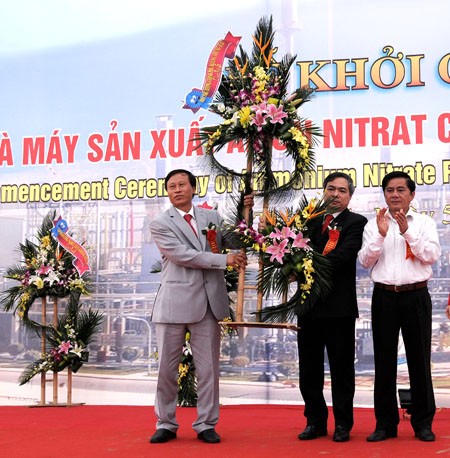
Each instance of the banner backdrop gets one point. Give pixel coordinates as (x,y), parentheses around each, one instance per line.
(92,118)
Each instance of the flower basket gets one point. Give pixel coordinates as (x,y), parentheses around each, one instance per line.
(47,270)
(287,258)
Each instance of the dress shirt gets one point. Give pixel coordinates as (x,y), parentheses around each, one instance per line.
(193,221)
(386,256)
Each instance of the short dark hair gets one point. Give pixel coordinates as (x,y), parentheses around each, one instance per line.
(334,175)
(190,175)
(409,182)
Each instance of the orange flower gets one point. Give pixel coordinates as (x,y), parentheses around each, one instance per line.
(270,217)
(288,220)
(262,47)
(243,69)
(310,211)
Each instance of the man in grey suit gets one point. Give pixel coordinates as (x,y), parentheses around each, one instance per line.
(192,296)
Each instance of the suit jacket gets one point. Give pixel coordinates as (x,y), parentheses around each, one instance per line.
(192,276)
(342,301)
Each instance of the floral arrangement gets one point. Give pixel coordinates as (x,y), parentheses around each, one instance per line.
(47,270)
(187,379)
(287,257)
(68,341)
(257,109)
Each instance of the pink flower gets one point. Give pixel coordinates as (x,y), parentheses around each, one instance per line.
(259,120)
(277,250)
(65,347)
(54,354)
(300,242)
(44,270)
(285,233)
(277,114)
(259,238)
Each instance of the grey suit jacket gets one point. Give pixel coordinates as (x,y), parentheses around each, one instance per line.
(191,276)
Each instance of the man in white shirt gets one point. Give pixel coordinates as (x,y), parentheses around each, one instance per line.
(399,247)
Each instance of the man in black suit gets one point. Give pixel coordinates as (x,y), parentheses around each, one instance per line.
(330,324)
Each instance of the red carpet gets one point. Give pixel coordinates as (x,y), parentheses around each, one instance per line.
(247,431)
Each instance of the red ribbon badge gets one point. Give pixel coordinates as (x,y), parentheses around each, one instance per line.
(211,236)
(409,253)
(333,237)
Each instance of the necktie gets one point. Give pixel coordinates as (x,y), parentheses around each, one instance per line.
(188,218)
(326,222)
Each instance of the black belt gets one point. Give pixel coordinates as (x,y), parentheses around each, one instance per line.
(402,288)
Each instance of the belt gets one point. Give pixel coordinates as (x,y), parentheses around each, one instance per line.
(402,288)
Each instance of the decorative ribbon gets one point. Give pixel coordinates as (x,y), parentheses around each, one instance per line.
(59,232)
(211,236)
(201,98)
(409,253)
(333,238)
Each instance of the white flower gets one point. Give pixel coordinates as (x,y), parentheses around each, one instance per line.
(52,277)
(77,350)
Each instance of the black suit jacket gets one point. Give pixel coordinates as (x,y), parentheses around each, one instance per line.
(342,301)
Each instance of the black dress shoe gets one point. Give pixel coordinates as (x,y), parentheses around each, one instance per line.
(341,434)
(209,436)
(162,435)
(381,435)
(425,435)
(312,432)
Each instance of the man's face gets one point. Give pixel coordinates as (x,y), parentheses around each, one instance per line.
(338,190)
(397,195)
(180,191)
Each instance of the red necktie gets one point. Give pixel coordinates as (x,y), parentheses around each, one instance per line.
(188,218)
(326,222)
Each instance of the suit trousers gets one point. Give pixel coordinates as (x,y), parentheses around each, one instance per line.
(205,346)
(337,336)
(410,312)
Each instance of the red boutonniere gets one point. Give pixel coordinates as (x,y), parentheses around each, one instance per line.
(211,235)
(333,238)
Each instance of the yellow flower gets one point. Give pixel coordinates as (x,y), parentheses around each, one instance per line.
(37,281)
(46,241)
(310,210)
(245,116)
(273,101)
(297,134)
(261,74)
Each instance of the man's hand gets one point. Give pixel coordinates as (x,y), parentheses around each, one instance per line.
(237,260)
(402,222)
(261,224)
(383,222)
(249,200)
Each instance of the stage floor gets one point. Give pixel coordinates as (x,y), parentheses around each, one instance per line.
(247,431)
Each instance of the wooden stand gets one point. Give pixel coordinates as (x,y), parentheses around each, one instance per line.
(241,280)
(54,403)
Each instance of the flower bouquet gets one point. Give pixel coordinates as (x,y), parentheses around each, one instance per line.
(287,257)
(257,109)
(47,270)
(68,341)
(187,379)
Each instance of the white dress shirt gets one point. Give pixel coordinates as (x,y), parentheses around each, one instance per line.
(386,256)
(193,221)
